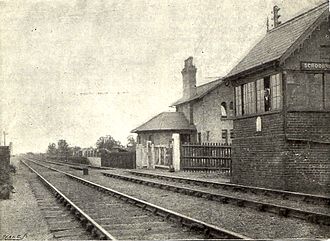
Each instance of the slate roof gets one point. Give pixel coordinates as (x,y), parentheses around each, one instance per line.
(175,121)
(279,40)
(201,91)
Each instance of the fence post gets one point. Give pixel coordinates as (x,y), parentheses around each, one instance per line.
(153,157)
(139,156)
(176,151)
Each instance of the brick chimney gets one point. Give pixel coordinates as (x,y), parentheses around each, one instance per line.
(189,78)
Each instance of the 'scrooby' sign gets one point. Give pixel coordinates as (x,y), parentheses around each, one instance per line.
(315,66)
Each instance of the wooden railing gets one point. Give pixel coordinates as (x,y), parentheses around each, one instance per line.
(206,157)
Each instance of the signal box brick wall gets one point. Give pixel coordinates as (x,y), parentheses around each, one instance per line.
(207,113)
(307,167)
(308,119)
(292,152)
(257,156)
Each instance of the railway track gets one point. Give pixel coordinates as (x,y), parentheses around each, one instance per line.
(91,226)
(109,214)
(61,223)
(287,208)
(296,196)
(263,192)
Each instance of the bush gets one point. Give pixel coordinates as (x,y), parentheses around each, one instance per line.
(5,184)
(5,191)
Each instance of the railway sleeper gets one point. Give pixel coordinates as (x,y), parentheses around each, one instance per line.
(89,226)
(283,212)
(196,227)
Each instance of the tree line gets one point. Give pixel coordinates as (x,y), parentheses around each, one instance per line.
(104,142)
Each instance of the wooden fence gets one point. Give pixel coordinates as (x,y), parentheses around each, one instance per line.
(118,159)
(206,157)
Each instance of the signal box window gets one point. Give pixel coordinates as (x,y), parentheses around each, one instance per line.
(238,98)
(260,96)
(249,98)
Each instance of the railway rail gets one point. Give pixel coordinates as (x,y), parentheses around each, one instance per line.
(309,198)
(61,224)
(142,220)
(284,210)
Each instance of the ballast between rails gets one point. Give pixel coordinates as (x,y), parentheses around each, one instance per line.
(317,199)
(210,230)
(88,222)
(261,206)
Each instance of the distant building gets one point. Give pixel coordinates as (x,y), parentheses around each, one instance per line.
(282,107)
(86,152)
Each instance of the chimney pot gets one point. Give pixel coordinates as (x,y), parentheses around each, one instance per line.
(189,78)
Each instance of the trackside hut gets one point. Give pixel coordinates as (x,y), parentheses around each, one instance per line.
(282,107)
(158,139)
(159,129)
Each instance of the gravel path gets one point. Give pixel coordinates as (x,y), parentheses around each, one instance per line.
(20,214)
(204,176)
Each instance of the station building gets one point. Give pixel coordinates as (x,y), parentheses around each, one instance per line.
(208,107)
(204,113)
(282,107)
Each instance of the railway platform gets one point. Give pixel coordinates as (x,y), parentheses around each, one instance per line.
(203,176)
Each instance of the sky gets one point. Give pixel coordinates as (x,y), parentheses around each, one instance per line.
(79,70)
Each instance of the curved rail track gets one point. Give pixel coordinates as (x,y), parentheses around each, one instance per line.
(109,214)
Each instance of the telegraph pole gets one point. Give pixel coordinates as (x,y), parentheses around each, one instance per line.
(4,137)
